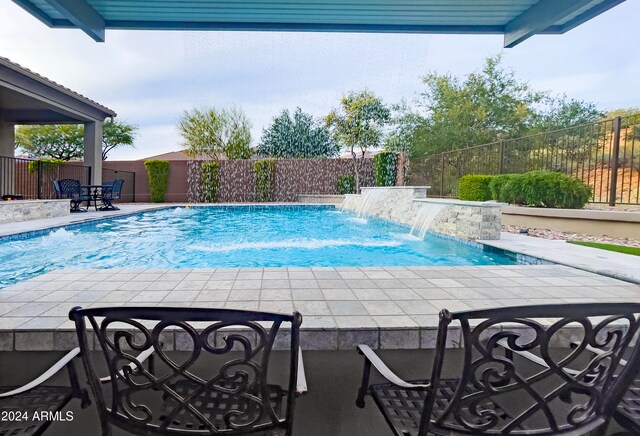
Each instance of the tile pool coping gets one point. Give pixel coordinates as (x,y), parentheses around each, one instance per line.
(387,308)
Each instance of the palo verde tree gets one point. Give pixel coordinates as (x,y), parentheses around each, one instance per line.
(66,141)
(296,137)
(211,132)
(358,124)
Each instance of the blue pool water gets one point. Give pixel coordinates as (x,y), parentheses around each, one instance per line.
(204,237)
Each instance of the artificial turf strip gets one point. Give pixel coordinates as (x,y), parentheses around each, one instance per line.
(609,247)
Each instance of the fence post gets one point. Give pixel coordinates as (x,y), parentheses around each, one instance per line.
(39,179)
(501,160)
(613,184)
(442,176)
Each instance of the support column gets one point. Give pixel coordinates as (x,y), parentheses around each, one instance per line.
(7,166)
(93,150)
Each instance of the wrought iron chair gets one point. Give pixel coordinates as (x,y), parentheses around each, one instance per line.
(71,189)
(574,393)
(111,191)
(34,399)
(200,389)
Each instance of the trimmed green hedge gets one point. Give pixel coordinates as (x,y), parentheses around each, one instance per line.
(210,180)
(497,183)
(474,187)
(384,168)
(158,173)
(535,188)
(346,184)
(265,179)
(549,189)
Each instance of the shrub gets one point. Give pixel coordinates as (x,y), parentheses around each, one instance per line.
(549,189)
(158,173)
(209,178)
(497,184)
(346,184)
(513,189)
(384,168)
(474,187)
(265,178)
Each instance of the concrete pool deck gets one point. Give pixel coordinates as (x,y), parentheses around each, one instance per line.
(385,307)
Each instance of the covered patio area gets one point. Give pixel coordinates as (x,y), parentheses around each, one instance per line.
(28,98)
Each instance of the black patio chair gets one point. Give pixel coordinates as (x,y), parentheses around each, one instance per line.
(200,389)
(30,407)
(111,191)
(496,393)
(71,189)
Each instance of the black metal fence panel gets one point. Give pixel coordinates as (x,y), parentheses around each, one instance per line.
(605,155)
(33,179)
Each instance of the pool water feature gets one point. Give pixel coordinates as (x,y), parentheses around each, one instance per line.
(232,236)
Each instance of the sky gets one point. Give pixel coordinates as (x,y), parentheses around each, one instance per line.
(150,77)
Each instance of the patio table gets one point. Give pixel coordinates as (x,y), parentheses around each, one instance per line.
(95,192)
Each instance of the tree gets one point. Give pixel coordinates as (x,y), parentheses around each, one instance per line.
(116,134)
(489,106)
(358,124)
(66,141)
(298,137)
(211,132)
(59,142)
(405,125)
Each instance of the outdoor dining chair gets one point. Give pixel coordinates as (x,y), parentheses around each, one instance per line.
(23,404)
(111,191)
(71,189)
(216,380)
(497,391)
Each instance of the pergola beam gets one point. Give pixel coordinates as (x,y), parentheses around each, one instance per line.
(540,17)
(82,15)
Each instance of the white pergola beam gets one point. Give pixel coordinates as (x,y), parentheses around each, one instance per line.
(81,14)
(539,17)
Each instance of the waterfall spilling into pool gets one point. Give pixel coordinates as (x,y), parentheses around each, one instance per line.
(424,218)
(369,199)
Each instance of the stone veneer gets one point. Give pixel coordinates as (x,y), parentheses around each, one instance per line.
(468,220)
(26,210)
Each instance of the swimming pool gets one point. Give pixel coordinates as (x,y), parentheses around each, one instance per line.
(232,236)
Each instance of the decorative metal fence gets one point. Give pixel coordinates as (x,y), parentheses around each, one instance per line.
(128,194)
(33,179)
(605,155)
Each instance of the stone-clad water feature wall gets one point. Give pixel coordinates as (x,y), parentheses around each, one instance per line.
(409,205)
(25,210)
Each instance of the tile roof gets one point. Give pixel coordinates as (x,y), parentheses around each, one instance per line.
(33,75)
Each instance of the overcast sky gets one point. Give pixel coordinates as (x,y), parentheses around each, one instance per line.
(149,78)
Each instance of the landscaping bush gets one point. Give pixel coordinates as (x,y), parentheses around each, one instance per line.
(546,189)
(209,178)
(265,178)
(346,184)
(384,168)
(158,173)
(497,183)
(474,187)
(549,189)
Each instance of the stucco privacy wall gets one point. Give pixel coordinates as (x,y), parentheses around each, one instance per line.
(26,210)
(469,220)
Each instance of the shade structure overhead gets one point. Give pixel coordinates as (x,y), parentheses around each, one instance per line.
(516,19)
